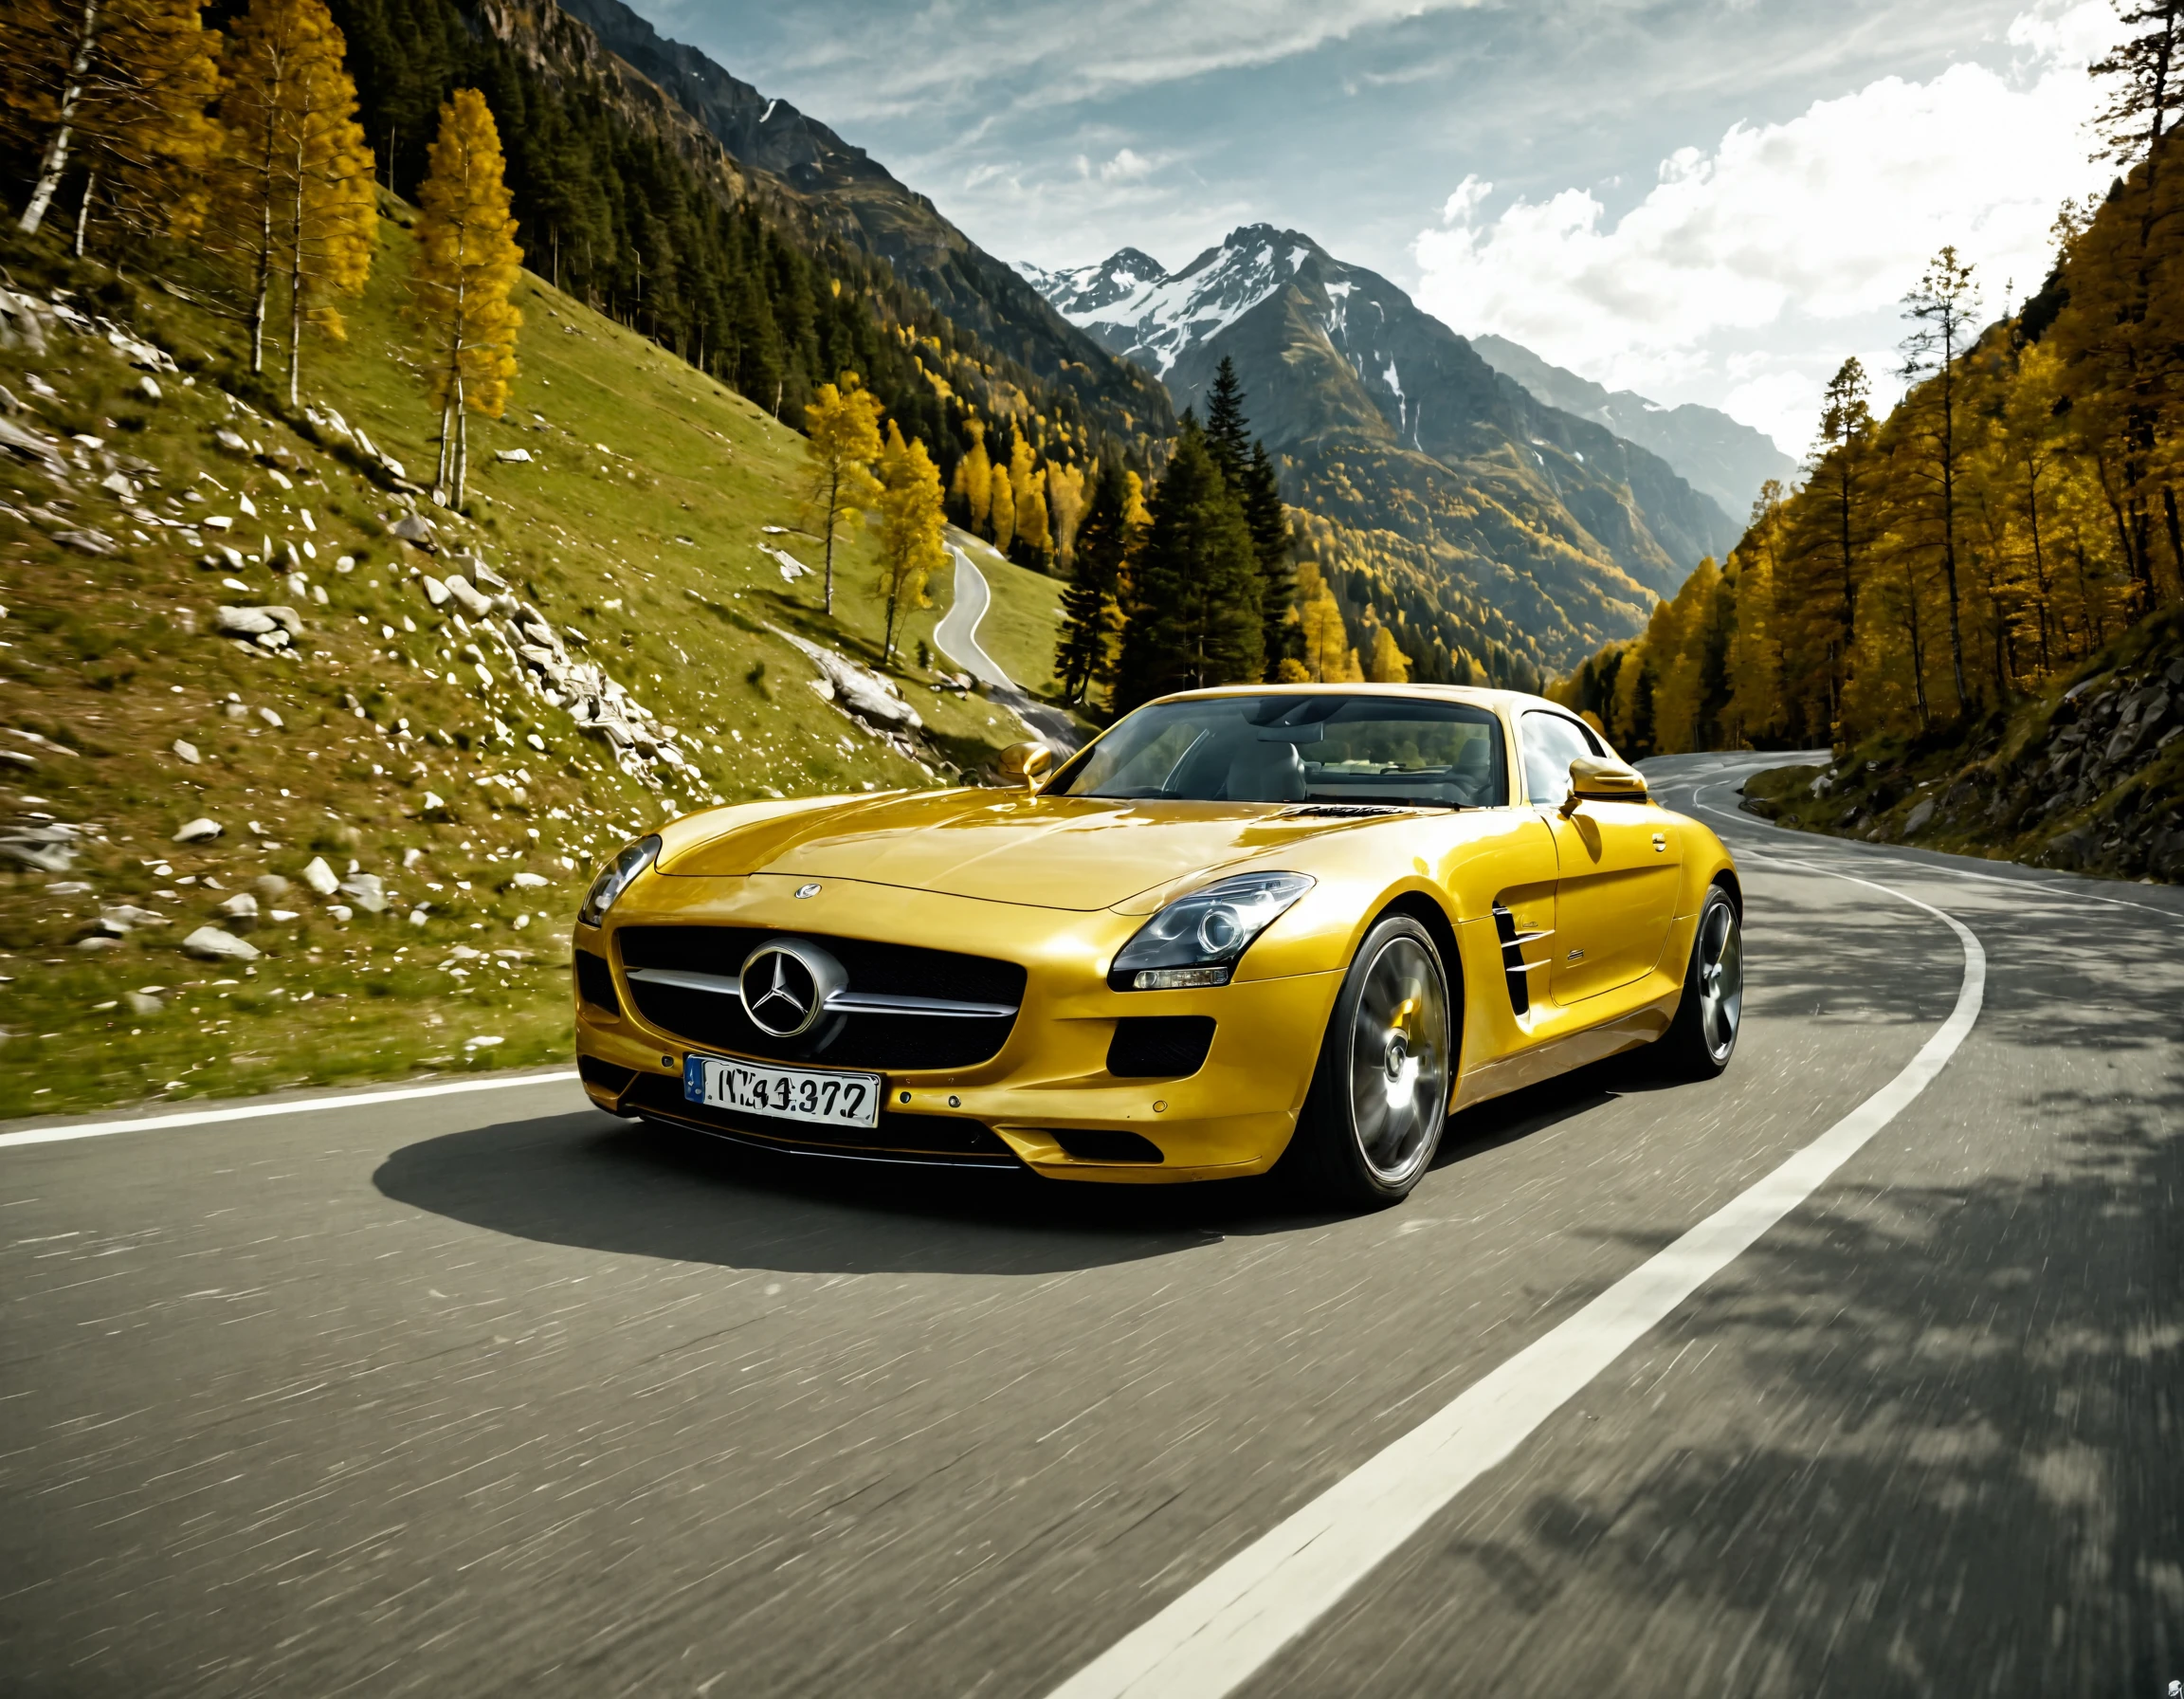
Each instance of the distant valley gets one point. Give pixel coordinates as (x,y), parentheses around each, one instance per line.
(1460,496)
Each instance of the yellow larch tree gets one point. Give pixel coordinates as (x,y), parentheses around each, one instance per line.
(297,179)
(912,528)
(119,87)
(1328,657)
(466,264)
(1028,488)
(1388,664)
(974,479)
(1002,512)
(841,441)
(1065,495)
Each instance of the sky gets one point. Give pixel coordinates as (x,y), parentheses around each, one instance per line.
(1702,200)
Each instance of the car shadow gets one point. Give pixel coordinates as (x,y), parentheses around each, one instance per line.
(589,1181)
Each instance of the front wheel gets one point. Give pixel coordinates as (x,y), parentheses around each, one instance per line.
(1381,1093)
(1702,1037)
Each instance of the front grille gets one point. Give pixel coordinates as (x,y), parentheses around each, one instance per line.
(595,982)
(1153,1046)
(714,1021)
(920,1138)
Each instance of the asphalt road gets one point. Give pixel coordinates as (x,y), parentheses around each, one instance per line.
(490,1393)
(957,635)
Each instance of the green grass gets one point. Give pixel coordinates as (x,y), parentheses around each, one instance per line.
(648,549)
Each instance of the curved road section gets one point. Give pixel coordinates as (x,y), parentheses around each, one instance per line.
(1852,1372)
(957,636)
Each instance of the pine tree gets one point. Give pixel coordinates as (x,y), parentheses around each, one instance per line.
(912,527)
(1280,635)
(466,264)
(1225,425)
(1090,614)
(842,439)
(119,87)
(1194,617)
(296,178)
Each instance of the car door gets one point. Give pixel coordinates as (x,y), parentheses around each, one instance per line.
(1617,867)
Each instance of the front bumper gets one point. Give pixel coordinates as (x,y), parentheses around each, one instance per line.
(1233,1116)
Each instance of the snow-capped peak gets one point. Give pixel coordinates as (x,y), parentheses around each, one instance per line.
(1129,300)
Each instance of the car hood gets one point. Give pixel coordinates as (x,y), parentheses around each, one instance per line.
(1048,851)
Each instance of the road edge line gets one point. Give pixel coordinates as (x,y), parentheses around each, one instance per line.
(355,1100)
(1215,1636)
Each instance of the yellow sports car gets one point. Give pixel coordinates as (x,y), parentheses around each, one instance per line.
(1244,927)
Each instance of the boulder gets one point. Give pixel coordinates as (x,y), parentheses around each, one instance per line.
(1916,822)
(239,912)
(209,943)
(514,457)
(320,877)
(230,441)
(271,887)
(198,831)
(468,596)
(435,592)
(144,1002)
(246,621)
(413,527)
(367,892)
(188,752)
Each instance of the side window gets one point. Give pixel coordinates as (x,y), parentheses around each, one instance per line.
(1550,743)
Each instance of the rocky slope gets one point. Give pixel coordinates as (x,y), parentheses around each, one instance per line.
(2089,777)
(1391,427)
(1723,460)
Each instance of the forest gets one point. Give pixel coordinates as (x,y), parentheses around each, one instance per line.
(2015,513)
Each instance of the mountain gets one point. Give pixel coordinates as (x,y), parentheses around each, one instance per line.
(1714,454)
(1481,511)
(860,200)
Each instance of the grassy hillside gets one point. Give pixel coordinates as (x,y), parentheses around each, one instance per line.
(390,737)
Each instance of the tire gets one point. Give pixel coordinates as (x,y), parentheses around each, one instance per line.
(1702,1037)
(1372,1121)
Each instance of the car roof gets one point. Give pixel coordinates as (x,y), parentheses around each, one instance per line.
(1506,701)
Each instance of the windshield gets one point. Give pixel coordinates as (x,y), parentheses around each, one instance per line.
(1389,751)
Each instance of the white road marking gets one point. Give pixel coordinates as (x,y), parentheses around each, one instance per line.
(359,1100)
(1880,853)
(1217,1636)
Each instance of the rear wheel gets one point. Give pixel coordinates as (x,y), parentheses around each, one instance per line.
(1381,1093)
(1702,1037)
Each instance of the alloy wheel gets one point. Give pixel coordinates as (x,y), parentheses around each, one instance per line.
(1399,1060)
(1721,980)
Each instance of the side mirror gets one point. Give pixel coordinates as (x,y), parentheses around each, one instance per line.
(1027,766)
(1595,781)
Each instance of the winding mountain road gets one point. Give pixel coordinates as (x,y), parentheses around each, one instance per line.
(1853,1372)
(955,634)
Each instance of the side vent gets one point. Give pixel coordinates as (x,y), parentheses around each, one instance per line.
(1160,1046)
(1514,967)
(595,982)
(609,1077)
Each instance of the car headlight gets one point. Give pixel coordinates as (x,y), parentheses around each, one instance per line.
(615,878)
(1198,940)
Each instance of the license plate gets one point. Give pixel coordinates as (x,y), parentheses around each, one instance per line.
(784,1093)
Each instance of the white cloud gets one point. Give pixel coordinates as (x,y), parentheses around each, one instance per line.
(1748,272)
(1127,166)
